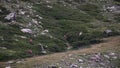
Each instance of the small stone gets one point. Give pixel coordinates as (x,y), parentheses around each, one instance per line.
(10,16)
(22,12)
(80,61)
(73,66)
(3,48)
(108,31)
(16,40)
(44,32)
(114,57)
(34,21)
(69,55)
(80,33)
(40,17)
(49,6)
(10,62)
(106,56)
(8,67)
(102,63)
(26,30)
(23,37)
(81,67)
(19,62)
(112,54)
(44,52)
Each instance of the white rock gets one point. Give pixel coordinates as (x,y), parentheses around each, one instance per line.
(26,30)
(69,55)
(47,1)
(112,8)
(19,62)
(49,6)
(29,24)
(16,40)
(46,31)
(102,63)
(40,22)
(97,56)
(51,36)
(40,17)
(80,33)
(80,61)
(106,56)
(74,66)
(112,54)
(43,33)
(29,6)
(10,62)
(108,31)
(22,12)
(114,57)
(34,11)
(28,15)
(81,67)
(44,52)
(2,38)
(3,48)
(23,37)
(10,16)
(34,21)
(8,67)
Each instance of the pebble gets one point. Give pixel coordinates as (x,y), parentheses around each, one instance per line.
(114,57)
(80,61)
(112,54)
(69,55)
(3,48)
(19,62)
(8,67)
(73,66)
(10,62)
(106,56)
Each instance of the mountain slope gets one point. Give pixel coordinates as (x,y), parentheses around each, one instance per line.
(111,46)
(54,25)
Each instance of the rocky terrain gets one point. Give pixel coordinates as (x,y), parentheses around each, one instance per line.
(103,55)
(38,27)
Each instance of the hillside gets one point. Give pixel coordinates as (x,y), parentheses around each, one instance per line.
(36,27)
(108,53)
